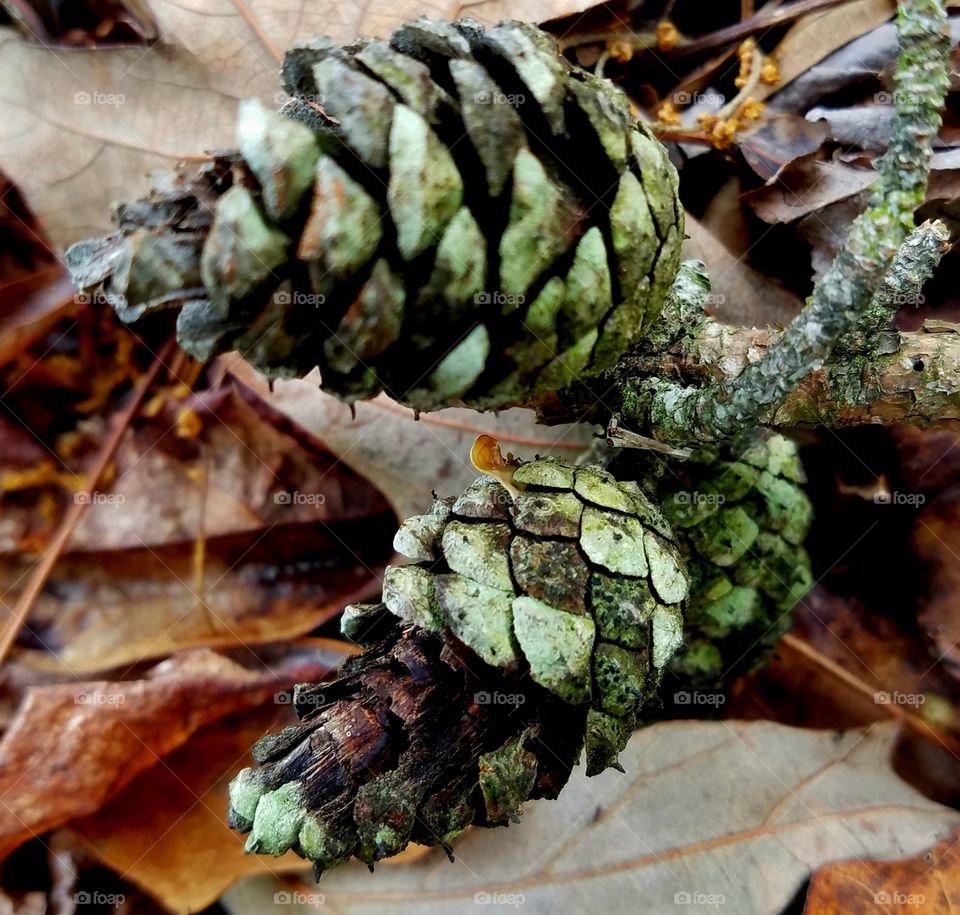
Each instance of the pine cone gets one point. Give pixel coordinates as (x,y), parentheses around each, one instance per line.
(456,215)
(537,617)
(741,517)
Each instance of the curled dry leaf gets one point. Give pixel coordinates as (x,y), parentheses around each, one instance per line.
(928,883)
(708,811)
(74,746)
(166,831)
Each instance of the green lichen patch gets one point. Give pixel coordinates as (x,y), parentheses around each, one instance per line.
(557,645)
(479,551)
(481,617)
(507,776)
(614,542)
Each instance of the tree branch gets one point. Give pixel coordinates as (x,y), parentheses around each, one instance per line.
(682,415)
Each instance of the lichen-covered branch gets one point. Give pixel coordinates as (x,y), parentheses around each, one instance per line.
(719,410)
(881,375)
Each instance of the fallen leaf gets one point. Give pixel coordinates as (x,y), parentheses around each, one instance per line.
(101,611)
(818,35)
(246,469)
(126,111)
(74,746)
(167,831)
(928,882)
(404,457)
(727,816)
(740,294)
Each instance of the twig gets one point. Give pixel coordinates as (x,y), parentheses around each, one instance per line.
(842,295)
(947,741)
(41,572)
(736,32)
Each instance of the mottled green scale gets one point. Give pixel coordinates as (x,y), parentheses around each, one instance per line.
(479,551)
(741,517)
(281,154)
(371,324)
(344,228)
(418,538)
(362,105)
(507,777)
(480,616)
(540,227)
(425,188)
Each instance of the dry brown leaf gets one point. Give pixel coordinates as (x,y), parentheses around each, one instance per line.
(167,831)
(928,883)
(74,746)
(125,111)
(403,457)
(818,35)
(247,469)
(108,610)
(740,295)
(722,816)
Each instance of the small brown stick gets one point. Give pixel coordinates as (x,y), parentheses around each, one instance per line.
(945,740)
(732,33)
(41,572)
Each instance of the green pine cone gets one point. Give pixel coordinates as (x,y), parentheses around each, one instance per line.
(536,619)
(453,216)
(741,517)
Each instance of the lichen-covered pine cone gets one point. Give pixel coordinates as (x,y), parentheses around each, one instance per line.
(453,215)
(535,620)
(741,517)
